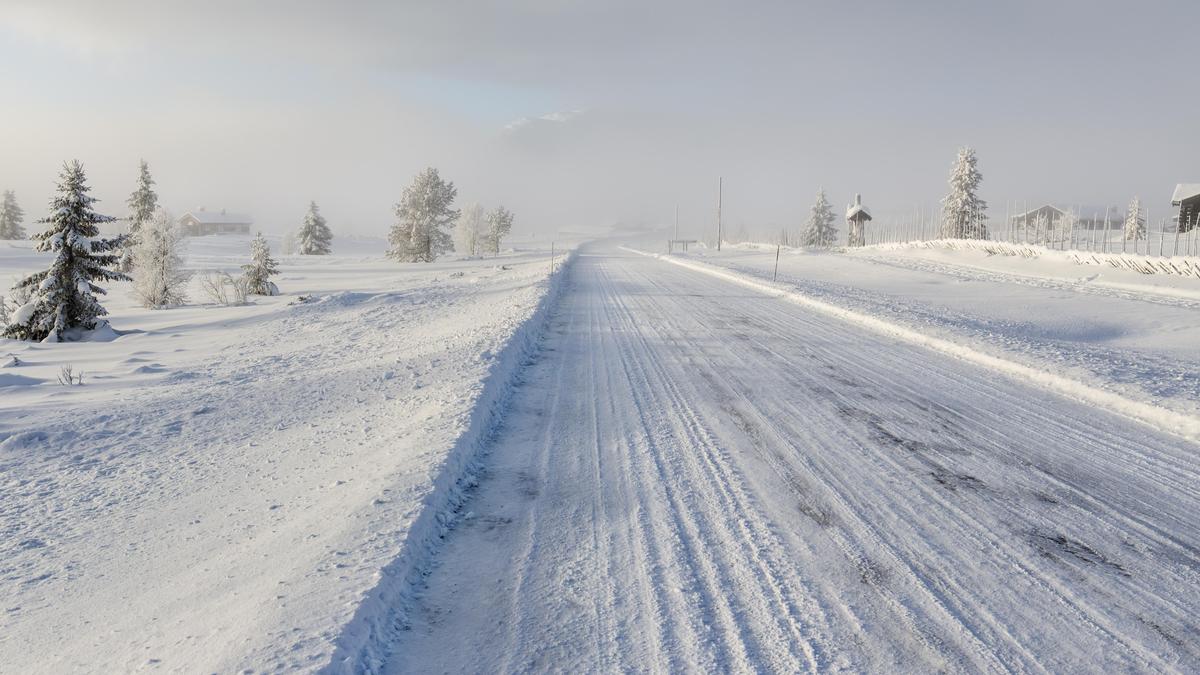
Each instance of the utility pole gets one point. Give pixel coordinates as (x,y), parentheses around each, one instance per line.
(720,192)
(676,222)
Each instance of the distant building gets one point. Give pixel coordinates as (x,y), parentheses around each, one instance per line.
(201,222)
(1086,217)
(1187,200)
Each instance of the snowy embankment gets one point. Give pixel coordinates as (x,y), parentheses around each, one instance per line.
(886,300)
(1141,264)
(249,487)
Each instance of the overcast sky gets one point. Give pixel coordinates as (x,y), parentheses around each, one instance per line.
(578,113)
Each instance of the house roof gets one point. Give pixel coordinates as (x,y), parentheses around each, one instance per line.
(1040,208)
(1086,212)
(1185,191)
(218,218)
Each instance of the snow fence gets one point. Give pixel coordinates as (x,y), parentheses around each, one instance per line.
(362,646)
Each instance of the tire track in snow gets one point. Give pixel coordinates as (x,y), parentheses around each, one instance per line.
(689,415)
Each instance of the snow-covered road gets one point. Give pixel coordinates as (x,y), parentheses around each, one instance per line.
(696,475)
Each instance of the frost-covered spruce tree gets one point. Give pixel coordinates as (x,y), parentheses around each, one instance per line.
(819,229)
(161,280)
(963,212)
(261,268)
(470,231)
(314,237)
(499,224)
(62,299)
(1135,222)
(12,217)
(423,215)
(142,204)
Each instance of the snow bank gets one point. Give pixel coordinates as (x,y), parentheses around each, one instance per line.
(360,647)
(1183,266)
(1183,425)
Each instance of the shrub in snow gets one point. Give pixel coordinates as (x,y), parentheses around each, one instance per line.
(67,376)
(499,224)
(142,204)
(225,289)
(261,268)
(63,298)
(11,217)
(819,229)
(470,231)
(160,280)
(423,215)
(1135,223)
(963,212)
(314,237)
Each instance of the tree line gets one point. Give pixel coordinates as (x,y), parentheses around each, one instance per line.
(61,301)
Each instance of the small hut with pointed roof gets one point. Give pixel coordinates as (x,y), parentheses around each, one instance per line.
(857,217)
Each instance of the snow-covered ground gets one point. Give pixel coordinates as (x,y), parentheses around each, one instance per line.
(1132,334)
(699,476)
(234,487)
(633,465)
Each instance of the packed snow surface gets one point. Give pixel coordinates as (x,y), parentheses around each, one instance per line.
(698,476)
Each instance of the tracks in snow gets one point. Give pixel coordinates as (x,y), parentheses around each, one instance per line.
(698,476)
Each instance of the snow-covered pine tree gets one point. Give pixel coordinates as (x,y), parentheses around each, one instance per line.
(314,237)
(819,229)
(423,215)
(963,212)
(261,268)
(12,217)
(1135,222)
(470,232)
(63,298)
(142,204)
(161,280)
(499,224)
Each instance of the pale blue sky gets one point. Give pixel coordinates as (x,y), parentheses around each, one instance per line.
(260,107)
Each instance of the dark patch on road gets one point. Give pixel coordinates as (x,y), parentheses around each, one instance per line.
(1058,546)
(954,481)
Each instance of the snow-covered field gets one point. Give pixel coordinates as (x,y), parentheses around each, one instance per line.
(229,484)
(630,466)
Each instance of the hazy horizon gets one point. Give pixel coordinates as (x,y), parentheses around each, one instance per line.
(573,114)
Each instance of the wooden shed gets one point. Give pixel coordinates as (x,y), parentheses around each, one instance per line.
(857,217)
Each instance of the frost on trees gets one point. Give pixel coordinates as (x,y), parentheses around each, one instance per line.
(62,299)
(470,231)
(12,217)
(142,204)
(314,237)
(963,212)
(819,229)
(161,280)
(499,224)
(261,268)
(423,216)
(1135,222)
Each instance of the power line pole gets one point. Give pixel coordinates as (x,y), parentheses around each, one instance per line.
(720,193)
(677,222)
